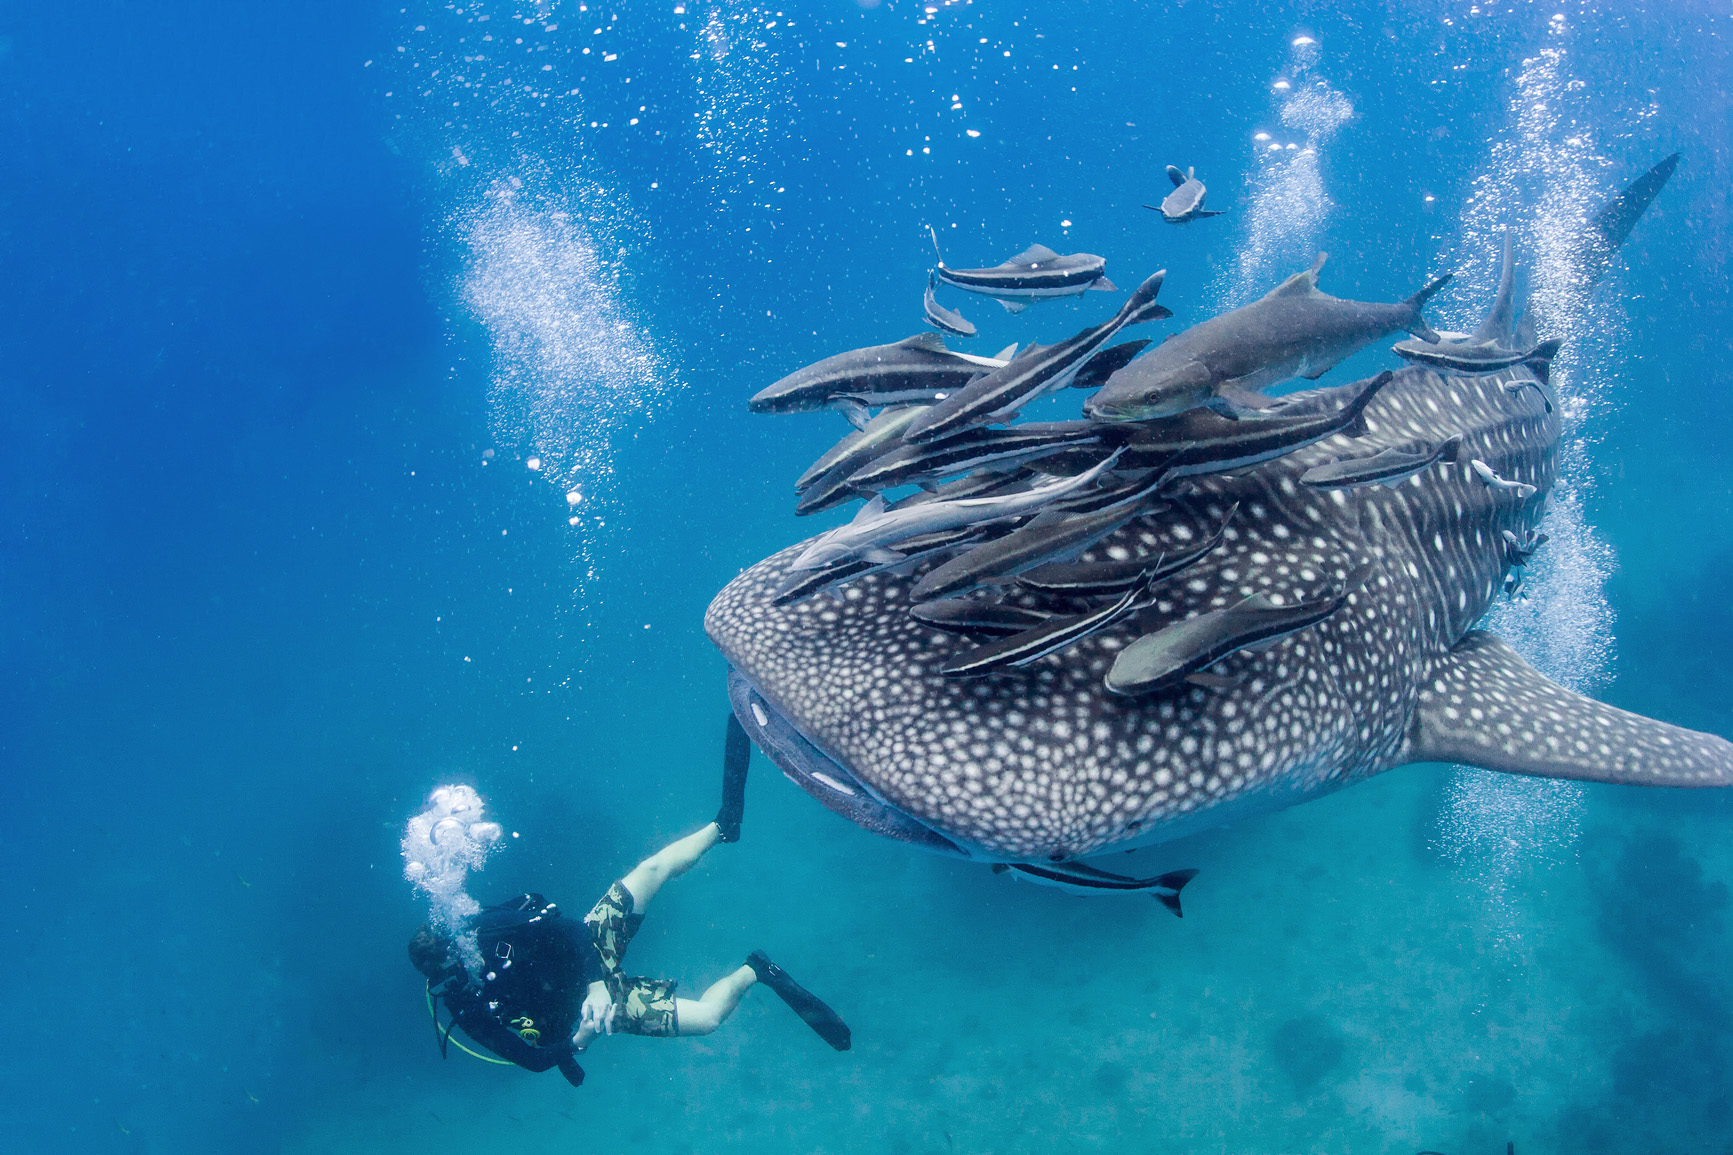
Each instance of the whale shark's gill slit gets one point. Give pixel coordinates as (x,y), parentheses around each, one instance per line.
(807,766)
(1545,179)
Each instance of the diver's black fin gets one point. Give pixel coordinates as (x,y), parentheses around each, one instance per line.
(826,1023)
(569,1068)
(443,1033)
(736,757)
(1174,880)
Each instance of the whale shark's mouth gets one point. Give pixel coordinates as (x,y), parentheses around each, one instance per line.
(822,776)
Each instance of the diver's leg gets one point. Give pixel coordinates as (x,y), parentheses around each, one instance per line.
(701,1016)
(671,861)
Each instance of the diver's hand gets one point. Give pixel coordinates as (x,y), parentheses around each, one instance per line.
(597,1016)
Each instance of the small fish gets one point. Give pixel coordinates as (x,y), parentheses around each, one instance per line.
(1516,386)
(975,617)
(1145,487)
(1485,472)
(1389,468)
(1163,659)
(1200,441)
(1080,877)
(1049,535)
(882,434)
(1050,637)
(973,449)
(1185,203)
(915,370)
(1495,344)
(981,483)
(242,881)
(875,531)
(940,317)
(1035,274)
(1036,372)
(802,584)
(1090,579)
(859,450)
(251,1098)
(1518,551)
(1106,363)
(1222,363)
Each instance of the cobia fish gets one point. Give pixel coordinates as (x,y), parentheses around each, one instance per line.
(940,317)
(1185,203)
(1034,373)
(1221,363)
(875,532)
(1390,467)
(1035,274)
(915,370)
(1494,345)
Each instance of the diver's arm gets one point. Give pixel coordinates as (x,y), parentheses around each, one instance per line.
(597,1016)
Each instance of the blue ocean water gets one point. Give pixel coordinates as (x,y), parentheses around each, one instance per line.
(296,297)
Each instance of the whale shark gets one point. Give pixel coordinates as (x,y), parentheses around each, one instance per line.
(1245,639)
(1045,764)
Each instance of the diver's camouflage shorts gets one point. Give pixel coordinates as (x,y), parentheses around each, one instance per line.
(643,1006)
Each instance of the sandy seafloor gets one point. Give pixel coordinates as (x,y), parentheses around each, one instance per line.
(289,316)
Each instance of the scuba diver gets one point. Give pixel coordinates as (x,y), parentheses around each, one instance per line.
(551,985)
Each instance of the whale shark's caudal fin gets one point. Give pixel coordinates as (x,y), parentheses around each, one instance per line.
(1619,216)
(1484,706)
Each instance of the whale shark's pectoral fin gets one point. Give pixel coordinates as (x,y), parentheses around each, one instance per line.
(1013,307)
(1484,706)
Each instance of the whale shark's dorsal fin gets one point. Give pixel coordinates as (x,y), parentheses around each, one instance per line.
(1484,706)
(1174,175)
(1497,328)
(1301,283)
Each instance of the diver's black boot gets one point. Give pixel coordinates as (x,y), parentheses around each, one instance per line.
(801,1001)
(736,755)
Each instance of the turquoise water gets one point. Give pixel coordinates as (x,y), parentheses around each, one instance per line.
(296,296)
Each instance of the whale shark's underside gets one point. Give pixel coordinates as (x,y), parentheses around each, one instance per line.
(1044,763)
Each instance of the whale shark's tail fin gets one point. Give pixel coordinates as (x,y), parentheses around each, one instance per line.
(1617,219)
(1486,707)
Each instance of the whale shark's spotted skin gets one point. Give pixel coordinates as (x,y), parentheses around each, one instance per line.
(1044,763)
